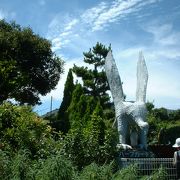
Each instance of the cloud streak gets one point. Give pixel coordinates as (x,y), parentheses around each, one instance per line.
(107,13)
(60,34)
(164,34)
(94,19)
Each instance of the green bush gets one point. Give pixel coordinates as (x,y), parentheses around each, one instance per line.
(56,168)
(20,128)
(128,173)
(28,150)
(159,174)
(16,167)
(4,165)
(85,145)
(169,133)
(163,128)
(95,172)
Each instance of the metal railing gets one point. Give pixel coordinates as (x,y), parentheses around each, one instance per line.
(146,166)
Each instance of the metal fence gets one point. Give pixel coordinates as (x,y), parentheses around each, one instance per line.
(146,166)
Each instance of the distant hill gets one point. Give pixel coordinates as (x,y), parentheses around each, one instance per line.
(52,113)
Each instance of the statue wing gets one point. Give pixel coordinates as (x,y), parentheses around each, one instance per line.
(114,79)
(142,79)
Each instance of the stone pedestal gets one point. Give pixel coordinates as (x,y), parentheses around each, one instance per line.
(135,153)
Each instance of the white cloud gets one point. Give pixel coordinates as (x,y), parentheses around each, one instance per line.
(90,15)
(63,31)
(165,42)
(60,33)
(104,14)
(164,34)
(70,25)
(3,14)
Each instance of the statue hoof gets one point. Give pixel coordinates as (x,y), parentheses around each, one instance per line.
(124,146)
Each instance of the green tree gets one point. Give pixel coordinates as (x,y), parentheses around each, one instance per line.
(28,67)
(163,125)
(94,80)
(149,106)
(20,128)
(91,134)
(74,111)
(62,122)
(81,108)
(174,115)
(161,113)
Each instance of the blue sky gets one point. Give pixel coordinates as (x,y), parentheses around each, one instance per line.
(74,26)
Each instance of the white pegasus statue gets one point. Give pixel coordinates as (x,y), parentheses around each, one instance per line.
(130,116)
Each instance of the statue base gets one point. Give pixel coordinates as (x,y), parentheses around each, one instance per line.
(136,153)
(130,156)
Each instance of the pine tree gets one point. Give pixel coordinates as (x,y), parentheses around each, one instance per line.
(94,80)
(63,121)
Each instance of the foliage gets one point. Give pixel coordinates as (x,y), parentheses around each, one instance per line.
(164,126)
(20,128)
(174,115)
(22,167)
(15,167)
(94,141)
(94,80)
(161,114)
(81,108)
(4,165)
(149,106)
(91,138)
(128,173)
(19,166)
(95,172)
(56,168)
(28,67)
(157,174)
(68,90)
(62,122)
(90,147)
(77,107)
(169,133)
